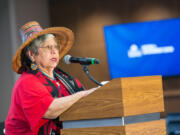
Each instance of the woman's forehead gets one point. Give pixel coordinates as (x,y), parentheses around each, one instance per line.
(49,41)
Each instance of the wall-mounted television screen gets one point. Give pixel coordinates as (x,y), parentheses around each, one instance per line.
(143,48)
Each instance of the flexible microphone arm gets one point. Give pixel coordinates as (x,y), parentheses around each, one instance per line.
(85,69)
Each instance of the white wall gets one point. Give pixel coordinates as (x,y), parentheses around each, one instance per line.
(14,14)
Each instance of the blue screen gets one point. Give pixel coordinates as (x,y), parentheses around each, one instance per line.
(143,48)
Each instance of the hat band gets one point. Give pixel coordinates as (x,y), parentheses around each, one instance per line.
(30,31)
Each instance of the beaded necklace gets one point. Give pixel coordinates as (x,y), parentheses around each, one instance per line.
(52,78)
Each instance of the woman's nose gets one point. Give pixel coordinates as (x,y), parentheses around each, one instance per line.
(54,49)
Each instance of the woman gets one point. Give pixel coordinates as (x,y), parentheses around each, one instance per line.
(42,92)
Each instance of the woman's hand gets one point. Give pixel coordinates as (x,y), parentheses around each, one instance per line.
(87,92)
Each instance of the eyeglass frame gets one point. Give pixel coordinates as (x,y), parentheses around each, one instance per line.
(50,47)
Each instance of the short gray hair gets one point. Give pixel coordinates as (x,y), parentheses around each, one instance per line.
(35,44)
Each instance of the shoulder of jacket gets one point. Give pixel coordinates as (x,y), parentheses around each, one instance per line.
(26,77)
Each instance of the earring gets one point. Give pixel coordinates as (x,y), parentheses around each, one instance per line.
(33,66)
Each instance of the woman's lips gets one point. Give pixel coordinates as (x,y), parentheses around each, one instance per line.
(54,59)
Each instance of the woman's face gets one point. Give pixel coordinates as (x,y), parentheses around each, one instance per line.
(48,55)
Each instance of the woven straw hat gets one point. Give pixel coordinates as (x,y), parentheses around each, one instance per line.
(32,30)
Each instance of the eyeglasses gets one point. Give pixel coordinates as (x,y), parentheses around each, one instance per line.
(50,47)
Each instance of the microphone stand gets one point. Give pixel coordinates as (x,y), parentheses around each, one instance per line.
(85,69)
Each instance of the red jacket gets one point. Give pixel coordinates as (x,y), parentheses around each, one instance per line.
(30,99)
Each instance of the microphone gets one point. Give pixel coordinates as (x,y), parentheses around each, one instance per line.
(83,61)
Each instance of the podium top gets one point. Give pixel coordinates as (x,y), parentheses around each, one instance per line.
(119,98)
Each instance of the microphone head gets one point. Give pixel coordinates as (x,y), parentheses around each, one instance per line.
(97,61)
(67,59)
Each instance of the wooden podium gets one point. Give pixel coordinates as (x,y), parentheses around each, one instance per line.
(125,106)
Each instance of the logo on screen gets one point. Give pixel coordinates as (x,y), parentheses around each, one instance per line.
(148,49)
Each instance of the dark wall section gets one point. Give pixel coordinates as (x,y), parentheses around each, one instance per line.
(87,19)
(6,79)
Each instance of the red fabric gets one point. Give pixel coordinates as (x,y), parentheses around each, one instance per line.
(30,100)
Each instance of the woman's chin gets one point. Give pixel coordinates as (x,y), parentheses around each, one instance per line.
(54,65)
